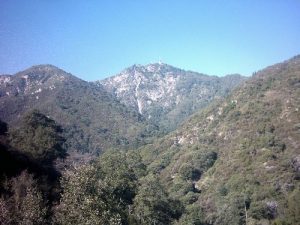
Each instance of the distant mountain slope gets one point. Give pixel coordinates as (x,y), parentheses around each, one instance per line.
(238,161)
(93,119)
(167,95)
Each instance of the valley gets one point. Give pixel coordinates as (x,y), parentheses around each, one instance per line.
(155,145)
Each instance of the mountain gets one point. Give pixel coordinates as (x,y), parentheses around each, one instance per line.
(238,160)
(92,119)
(166,95)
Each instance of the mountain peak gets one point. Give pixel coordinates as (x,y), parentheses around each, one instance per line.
(43,69)
(48,67)
(35,80)
(45,72)
(161,92)
(152,68)
(159,66)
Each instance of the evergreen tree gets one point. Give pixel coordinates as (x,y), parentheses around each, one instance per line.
(39,137)
(152,204)
(101,192)
(87,199)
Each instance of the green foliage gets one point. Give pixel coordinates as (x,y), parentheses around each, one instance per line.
(193,216)
(180,187)
(152,204)
(24,205)
(196,162)
(232,212)
(92,119)
(258,210)
(39,137)
(163,161)
(246,143)
(135,163)
(235,162)
(87,199)
(119,174)
(190,197)
(294,207)
(100,193)
(229,107)
(188,172)
(223,191)
(264,210)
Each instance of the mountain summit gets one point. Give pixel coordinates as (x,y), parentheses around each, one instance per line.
(236,161)
(167,95)
(34,80)
(92,118)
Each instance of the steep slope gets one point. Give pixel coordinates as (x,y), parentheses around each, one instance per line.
(93,120)
(167,95)
(238,161)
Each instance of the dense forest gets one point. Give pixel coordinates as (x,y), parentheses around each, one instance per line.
(112,189)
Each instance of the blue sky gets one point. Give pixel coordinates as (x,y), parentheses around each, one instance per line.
(95,39)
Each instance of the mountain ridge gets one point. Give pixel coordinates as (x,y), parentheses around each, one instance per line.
(235,161)
(238,156)
(165,94)
(73,103)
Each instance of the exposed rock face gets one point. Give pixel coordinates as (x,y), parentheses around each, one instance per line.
(33,81)
(167,95)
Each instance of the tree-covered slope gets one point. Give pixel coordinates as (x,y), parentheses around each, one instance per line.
(235,162)
(92,119)
(166,95)
(238,160)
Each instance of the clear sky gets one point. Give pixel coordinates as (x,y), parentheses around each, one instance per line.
(94,39)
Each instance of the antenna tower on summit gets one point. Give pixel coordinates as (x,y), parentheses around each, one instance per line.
(159,61)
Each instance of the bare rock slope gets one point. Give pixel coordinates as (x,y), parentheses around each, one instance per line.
(167,95)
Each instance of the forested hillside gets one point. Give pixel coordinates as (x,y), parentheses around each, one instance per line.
(92,119)
(237,161)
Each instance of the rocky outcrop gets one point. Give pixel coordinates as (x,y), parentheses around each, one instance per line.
(167,95)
